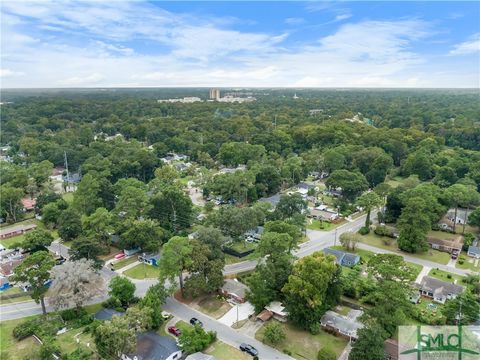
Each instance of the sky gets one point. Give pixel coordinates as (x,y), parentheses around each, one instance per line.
(52,44)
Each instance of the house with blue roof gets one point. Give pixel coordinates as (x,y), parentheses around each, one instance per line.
(474,251)
(150,258)
(343,258)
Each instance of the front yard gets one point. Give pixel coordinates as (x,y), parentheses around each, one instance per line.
(323,225)
(468,263)
(124,262)
(213,306)
(303,345)
(445,276)
(386,243)
(13,291)
(143,271)
(222,351)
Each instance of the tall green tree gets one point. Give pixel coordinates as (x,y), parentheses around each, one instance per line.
(369,345)
(309,289)
(464,309)
(35,272)
(98,226)
(114,338)
(369,201)
(414,223)
(37,240)
(176,258)
(10,203)
(144,234)
(69,224)
(123,289)
(172,208)
(86,199)
(351,183)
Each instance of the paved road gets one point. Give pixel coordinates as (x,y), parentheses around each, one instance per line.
(318,241)
(224,332)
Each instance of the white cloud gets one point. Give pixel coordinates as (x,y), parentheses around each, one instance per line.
(8,72)
(470,46)
(97,44)
(295,21)
(342,17)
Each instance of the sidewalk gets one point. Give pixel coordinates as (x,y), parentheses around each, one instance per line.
(129,266)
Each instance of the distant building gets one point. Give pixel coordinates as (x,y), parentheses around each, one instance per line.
(438,290)
(343,258)
(28,204)
(272,200)
(185,100)
(453,246)
(7,267)
(151,346)
(474,251)
(462,215)
(323,214)
(150,258)
(234,290)
(214,94)
(12,231)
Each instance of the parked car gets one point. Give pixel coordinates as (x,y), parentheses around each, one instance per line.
(174,330)
(166,315)
(119,256)
(249,349)
(195,321)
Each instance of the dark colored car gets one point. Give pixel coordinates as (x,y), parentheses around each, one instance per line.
(195,321)
(174,330)
(249,349)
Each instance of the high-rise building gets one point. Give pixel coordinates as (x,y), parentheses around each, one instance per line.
(214,94)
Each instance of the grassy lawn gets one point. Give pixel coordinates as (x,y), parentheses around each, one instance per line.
(124,262)
(379,241)
(13,290)
(304,345)
(213,307)
(10,242)
(12,349)
(468,263)
(68,197)
(182,325)
(112,252)
(222,351)
(143,271)
(445,276)
(324,225)
(242,246)
(68,342)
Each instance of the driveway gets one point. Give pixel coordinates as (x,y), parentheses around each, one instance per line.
(237,313)
(424,272)
(224,332)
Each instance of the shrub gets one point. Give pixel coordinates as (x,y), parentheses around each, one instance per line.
(288,352)
(112,303)
(315,329)
(48,348)
(24,330)
(364,230)
(274,333)
(73,314)
(449,276)
(326,354)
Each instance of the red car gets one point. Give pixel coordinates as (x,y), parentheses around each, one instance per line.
(119,256)
(173,330)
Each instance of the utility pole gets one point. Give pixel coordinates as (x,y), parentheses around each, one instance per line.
(66,168)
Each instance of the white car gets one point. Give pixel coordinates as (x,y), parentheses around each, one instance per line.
(166,315)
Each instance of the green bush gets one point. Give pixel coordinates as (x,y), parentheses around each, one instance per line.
(461,262)
(24,330)
(449,276)
(326,354)
(315,329)
(73,314)
(288,352)
(364,230)
(112,303)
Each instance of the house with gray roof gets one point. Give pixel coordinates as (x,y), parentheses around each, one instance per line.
(438,290)
(272,200)
(474,251)
(235,290)
(341,325)
(343,258)
(151,346)
(150,258)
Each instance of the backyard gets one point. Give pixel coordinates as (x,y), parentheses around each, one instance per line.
(302,344)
